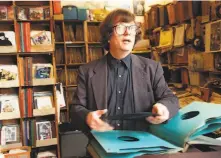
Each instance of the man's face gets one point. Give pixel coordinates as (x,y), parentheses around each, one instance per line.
(123,37)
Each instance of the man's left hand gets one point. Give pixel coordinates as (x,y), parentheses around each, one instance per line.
(162,114)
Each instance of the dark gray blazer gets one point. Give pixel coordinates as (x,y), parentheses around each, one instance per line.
(149,87)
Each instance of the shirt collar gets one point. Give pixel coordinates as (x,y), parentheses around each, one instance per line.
(113,61)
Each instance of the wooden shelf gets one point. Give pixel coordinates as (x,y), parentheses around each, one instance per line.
(43,112)
(71,86)
(10,146)
(46,142)
(76,42)
(7,21)
(9,115)
(41,82)
(94,43)
(9,53)
(75,64)
(9,84)
(34,21)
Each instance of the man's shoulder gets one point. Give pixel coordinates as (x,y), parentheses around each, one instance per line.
(146,61)
(92,64)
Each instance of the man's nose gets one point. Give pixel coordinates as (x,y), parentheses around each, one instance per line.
(126,32)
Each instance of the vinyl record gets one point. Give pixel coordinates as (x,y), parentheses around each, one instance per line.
(218,11)
(198,43)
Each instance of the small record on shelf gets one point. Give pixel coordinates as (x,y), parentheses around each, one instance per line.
(42,72)
(9,134)
(9,103)
(22,13)
(8,72)
(41,38)
(3,13)
(46,13)
(36,13)
(43,130)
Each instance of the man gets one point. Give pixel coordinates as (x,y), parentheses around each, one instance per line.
(120,82)
(4,40)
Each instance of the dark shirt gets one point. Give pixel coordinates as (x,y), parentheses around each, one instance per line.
(120,90)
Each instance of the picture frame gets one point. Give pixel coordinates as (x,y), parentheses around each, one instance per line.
(22,13)
(139,7)
(3,13)
(46,13)
(43,130)
(36,13)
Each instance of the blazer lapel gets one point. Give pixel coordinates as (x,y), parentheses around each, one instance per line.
(140,87)
(99,84)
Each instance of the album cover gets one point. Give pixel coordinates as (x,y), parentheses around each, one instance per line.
(3,13)
(8,72)
(22,13)
(9,134)
(7,38)
(46,13)
(36,13)
(215,37)
(40,37)
(43,130)
(9,103)
(43,102)
(42,71)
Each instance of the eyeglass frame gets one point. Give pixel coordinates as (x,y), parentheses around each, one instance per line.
(126,28)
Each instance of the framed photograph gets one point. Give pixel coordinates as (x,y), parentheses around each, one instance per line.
(139,7)
(43,130)
(40,38)
(3,13)
(46,13)
(36,13)
(22,13)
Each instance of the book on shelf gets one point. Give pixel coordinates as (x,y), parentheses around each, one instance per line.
(23,34)
(26,102)
(29,132)
(186,128)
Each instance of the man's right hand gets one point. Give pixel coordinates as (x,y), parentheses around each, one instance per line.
(94,122)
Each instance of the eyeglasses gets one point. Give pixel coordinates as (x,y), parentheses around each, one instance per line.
(121,29)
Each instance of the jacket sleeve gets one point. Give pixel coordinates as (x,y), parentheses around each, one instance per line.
(79,111)
(163,94)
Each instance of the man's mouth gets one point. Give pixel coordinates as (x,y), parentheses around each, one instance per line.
(125,41)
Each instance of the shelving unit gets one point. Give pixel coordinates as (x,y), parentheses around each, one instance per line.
(76,43)
(31,63)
